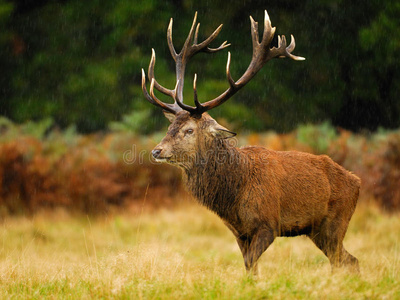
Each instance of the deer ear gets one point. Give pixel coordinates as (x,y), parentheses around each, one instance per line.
(222,133)
(225,134)
(169,116)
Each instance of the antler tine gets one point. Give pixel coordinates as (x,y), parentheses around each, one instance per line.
(173,108)
(190,35)
(196,101)
(158,102)
(292,44)
(269,31)
(203,46)
(228,72)
(196,34)
(213,50)
(281,47)
(290,48)
(158,86)
(146,94)
(254,33)
(169,40)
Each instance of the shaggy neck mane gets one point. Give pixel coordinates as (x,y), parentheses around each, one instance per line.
(217,176)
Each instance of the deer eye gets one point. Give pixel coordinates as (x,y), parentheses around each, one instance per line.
(189,131)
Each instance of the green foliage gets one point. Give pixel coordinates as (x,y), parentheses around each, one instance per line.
(6,9)
(382,37)
(132,122)
(37,130)
(318,137)
(7,64)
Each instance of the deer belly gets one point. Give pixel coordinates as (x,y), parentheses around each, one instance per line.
(303,209)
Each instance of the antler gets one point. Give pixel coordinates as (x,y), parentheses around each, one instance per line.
(181,60)
(261,54)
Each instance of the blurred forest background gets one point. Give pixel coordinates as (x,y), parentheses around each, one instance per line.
(70,69)
(79,62)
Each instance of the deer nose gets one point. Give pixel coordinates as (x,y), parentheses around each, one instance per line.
(156,153)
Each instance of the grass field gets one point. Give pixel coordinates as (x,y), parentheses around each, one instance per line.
(185,253)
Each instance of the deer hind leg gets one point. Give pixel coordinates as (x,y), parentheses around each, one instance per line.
(253,247)
(329,238)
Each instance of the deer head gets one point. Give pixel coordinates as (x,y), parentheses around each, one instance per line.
(192,129)
(189,139)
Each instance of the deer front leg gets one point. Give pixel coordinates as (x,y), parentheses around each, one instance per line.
(253,247)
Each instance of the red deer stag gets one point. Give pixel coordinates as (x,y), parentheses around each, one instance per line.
(260,194)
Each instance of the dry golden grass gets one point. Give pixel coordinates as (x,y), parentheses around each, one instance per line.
(186,253)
